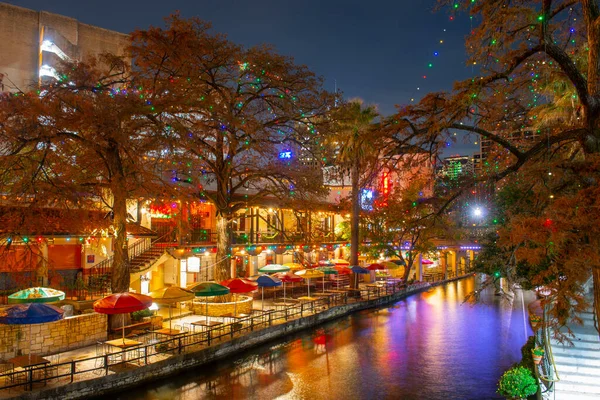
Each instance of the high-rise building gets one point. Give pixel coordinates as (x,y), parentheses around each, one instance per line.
(456,166)
(34,42)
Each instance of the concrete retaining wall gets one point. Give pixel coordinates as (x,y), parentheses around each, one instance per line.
(114,383)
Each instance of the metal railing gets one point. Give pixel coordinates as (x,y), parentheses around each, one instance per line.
(155,347)
(546,369)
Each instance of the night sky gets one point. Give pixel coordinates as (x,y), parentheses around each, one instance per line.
(377,50)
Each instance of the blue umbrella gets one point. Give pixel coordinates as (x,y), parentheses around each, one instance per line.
(267,281)
(30,313)
(357,269)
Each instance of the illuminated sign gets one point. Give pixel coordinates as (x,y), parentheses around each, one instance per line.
(285,155)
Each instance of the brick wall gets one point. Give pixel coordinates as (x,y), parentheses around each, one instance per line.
(52,337)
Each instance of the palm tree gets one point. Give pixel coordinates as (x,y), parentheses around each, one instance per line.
(357,150)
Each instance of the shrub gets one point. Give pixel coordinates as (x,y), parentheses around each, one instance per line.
(517,382)
(139,315)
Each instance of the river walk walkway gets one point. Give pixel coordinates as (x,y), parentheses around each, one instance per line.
(114,365)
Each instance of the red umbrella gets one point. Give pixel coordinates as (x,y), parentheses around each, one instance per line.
(122,303)
(343,270)
(427,262)
(288,277)
(374,267)
(239,285)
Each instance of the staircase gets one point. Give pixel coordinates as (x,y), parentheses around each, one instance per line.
(147,258)
(578,366)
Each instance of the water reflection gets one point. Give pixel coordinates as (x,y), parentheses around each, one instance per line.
(428,346)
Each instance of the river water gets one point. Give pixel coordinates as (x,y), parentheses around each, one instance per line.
(431,345)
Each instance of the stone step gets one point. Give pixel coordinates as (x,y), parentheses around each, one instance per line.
(567,367)
(579,344)
(583,333)
(577,387)
(592,379)
(569,395)
(577,360)
(575,350)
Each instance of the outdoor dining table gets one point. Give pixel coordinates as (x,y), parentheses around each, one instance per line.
(168,332)
(123,344)
(28,362)
(204,324)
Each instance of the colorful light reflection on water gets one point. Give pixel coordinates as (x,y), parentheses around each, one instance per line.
(428,346)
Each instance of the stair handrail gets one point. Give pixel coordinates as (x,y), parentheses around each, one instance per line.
(134,248)
(546,369)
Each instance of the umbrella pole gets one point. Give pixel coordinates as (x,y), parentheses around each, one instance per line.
(262,297)
(284,292)
(206,303)
(308,286)
(123,326)
(323,283)
(170,318)
(234,304)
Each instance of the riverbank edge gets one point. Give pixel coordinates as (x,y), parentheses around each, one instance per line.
(112,384)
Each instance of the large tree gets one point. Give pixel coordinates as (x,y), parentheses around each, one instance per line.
(530,56)
(237,110)
(89,139)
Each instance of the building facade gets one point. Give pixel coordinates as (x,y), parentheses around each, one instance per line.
(34,42)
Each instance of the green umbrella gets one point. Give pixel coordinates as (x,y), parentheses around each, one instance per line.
(272,268)
(327,271)
(36,295)
(208,289)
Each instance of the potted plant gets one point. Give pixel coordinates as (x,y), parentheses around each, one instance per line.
(537,353)
(517,383)
(535,321)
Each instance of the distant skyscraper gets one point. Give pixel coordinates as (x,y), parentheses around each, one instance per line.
(456,166)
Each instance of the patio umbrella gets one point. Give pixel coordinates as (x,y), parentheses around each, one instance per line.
(30,313)
(267,281)
(308,274)
(358,270)
(339,261)
(287,277)
(170,295)
(426,262)
(325,263)
(389,265)
(294,266)
(208,289)
(327,271)
(343,270)
(375,267)
(36,295)
(122,303)
(239,285)
(272,268)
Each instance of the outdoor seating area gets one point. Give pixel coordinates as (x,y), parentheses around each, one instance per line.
(177,335)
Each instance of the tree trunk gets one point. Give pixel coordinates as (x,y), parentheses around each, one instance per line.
(223,267)
(354,218)
(120,277)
